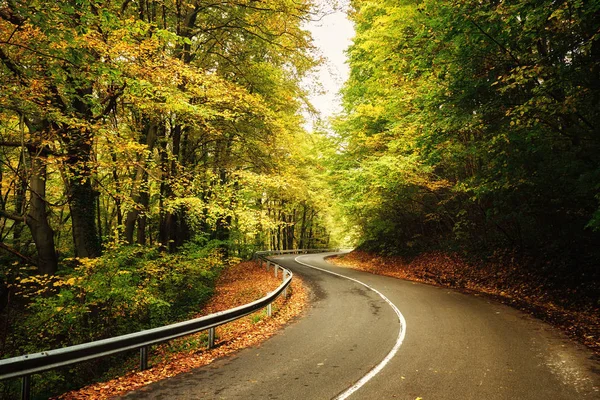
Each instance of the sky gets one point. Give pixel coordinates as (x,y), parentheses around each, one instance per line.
(332,35)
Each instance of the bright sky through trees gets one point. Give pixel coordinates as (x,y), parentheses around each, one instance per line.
(332,35)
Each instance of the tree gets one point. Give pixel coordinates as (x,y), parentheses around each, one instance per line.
(472,124)
(143,118)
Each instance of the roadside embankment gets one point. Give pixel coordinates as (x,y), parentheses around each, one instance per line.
(238,285)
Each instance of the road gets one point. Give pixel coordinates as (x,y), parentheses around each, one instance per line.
(441,345)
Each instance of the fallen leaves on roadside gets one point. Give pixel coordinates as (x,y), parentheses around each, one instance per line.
(240,284)
(543,291)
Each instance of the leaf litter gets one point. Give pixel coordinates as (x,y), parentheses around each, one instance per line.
(555,295)
(238,285)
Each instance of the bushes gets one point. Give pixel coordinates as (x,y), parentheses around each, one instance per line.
(129,288)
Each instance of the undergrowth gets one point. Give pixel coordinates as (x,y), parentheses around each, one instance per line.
(129,288)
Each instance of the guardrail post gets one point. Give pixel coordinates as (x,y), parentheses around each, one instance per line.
(269,310)
(275,270)
(211,337)
(143,358)
(26,387)
(268,264)
(285,291)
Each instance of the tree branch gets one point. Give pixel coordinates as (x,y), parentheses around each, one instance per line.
(11,66)
(23,257)
(41,53)
(14,217)
(7,15)
(34,149)
(504,48)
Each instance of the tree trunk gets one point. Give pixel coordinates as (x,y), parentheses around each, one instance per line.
(278,235)
(20,190)
(37,219)
(310,232)
(117,198)
(169,221)
(20,194)
(82,196)
(303,227)
(292,223)
(140,193)
(82,204)
(142,219)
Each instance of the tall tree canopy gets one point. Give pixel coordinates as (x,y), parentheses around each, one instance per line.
(474,123)
(151,122)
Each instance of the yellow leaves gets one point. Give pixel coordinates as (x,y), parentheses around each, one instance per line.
(34,285)
(69,282)
(35,279)
(377,142)
(93,40)
(238,285)
(85,263)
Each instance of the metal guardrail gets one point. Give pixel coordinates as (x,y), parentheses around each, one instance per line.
(24,366)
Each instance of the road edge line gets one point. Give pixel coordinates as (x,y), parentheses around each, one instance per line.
(390,355)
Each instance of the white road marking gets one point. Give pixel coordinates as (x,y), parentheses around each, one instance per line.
(390,355)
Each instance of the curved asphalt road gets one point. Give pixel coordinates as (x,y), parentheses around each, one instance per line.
(456,347)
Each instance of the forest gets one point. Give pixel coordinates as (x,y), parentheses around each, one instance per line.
(145,145)
(473,124)
(470,151)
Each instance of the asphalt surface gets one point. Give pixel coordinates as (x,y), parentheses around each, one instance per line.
(456,346)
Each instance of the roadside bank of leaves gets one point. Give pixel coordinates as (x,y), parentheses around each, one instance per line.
(238,285)
(560,296)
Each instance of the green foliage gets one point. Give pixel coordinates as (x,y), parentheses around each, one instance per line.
(473,124)
(142,120)
(128,289)
(174,125)
(258,316)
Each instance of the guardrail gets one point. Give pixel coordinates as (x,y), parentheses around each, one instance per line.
(24,366)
